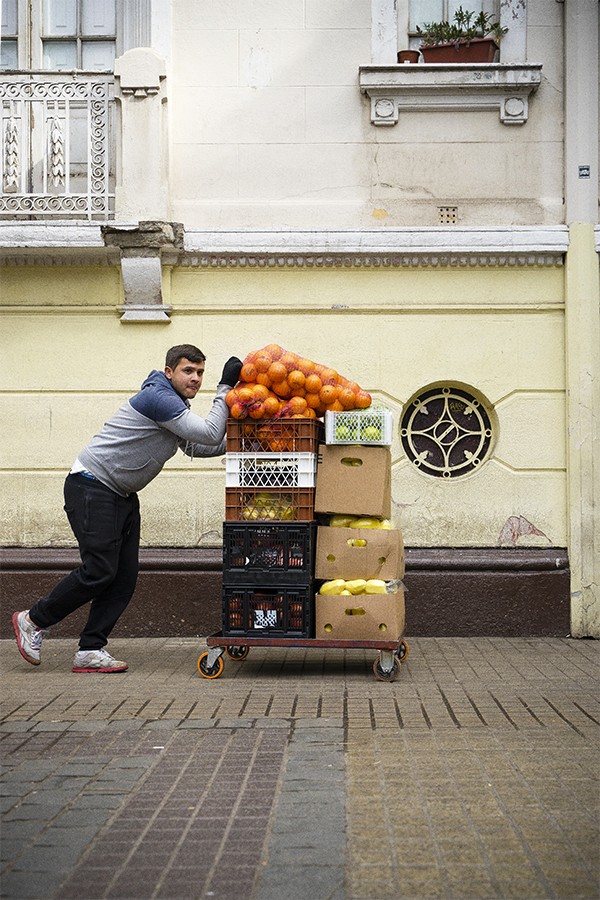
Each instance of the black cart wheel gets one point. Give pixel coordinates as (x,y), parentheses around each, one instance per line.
(402,651)
(237,653)
(380,675)
(214,671)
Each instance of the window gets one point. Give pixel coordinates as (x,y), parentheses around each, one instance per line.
(78,34)
(446,430)
(9,35)
(63,34)
(421,11)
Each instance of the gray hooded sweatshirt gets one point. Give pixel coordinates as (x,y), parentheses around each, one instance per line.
(133,446)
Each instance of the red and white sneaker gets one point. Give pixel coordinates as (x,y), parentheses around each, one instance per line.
(29,637)
(97,661)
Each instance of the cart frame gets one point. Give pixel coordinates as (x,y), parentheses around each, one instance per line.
(386,666)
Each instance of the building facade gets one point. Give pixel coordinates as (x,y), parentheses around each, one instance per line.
(234,174)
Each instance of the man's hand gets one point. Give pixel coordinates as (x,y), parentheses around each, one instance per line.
(231,371)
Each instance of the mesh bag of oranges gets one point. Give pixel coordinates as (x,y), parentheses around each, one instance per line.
(276,383)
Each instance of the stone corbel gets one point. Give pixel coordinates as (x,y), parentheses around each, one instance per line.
(139,72)
(448,87)
(142,247)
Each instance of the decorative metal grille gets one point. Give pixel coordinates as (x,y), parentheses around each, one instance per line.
(446,432)
(57,146)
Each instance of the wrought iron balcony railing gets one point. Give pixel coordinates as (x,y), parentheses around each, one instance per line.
(58,145)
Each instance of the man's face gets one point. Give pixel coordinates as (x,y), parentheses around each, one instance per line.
(186,377)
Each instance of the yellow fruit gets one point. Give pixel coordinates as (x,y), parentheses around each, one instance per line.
(365,522)
(345,594)
(357,586)
(333,587)
(356,542)
(341,521)
(375,586)
(386,525)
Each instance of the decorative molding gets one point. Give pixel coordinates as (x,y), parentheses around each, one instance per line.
(319,261)
(399,247)
(63,244)
(453,86)
(79,258)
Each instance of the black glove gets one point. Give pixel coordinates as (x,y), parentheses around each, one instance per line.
(231,371)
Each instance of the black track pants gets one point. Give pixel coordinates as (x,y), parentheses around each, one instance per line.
(107,528)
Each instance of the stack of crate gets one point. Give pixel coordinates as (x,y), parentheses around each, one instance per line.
(269,533)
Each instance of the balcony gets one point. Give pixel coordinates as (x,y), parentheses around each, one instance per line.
(58,146)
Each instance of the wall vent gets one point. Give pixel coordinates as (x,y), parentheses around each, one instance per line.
(448,215)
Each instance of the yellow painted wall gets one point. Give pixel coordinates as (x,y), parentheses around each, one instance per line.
(500,330)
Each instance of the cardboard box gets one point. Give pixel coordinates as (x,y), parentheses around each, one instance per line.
(338,557)
(364,617)
(354,480)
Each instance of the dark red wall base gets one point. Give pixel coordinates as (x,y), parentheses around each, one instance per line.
(449,592)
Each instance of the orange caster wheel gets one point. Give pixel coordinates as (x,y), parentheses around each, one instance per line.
(210,671)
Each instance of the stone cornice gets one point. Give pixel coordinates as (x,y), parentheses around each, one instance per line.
(441,246)
(76,244)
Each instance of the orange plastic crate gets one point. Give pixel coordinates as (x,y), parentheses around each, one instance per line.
(274,435)
(262,505)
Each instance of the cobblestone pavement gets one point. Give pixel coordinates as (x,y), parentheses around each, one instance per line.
(297,774)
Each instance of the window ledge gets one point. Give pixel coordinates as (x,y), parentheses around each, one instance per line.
(459,86)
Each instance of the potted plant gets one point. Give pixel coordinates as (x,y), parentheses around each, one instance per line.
(468,38)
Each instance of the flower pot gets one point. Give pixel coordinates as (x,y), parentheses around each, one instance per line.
(479,50)
(408,56)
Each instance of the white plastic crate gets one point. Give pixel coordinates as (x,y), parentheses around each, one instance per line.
(270,470)
(370,427)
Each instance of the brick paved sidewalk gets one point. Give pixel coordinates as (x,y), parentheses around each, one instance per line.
(297,774)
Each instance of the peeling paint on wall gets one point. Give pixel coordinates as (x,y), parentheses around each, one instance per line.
(516,527)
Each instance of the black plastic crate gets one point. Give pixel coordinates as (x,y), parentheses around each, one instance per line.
(253,611)
(277,554)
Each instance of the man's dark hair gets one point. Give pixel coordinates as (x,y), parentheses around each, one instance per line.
(183,351)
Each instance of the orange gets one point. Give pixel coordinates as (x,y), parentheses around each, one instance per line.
(312,400)
(277,372)
(256,411)
(260,392)
(263,378)
(248,372)
(336,406)
(273,350)
(245,394)
(347,398)
(290,361)
(296,379)
(262,362)
(328,394)
(306,366)
(271,406)
(313,384)
(363,399)
(297,405)
(329,376)
(237,411)
(231,397)
(282,389)
(310,413)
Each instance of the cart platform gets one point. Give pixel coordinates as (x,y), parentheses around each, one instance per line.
(386,666)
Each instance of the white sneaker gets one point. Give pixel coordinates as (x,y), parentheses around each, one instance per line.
(97,661)
(29,637)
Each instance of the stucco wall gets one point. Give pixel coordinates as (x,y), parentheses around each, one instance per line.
(498,330)
(269,128)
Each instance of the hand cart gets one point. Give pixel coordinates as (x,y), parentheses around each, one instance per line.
(386,665)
